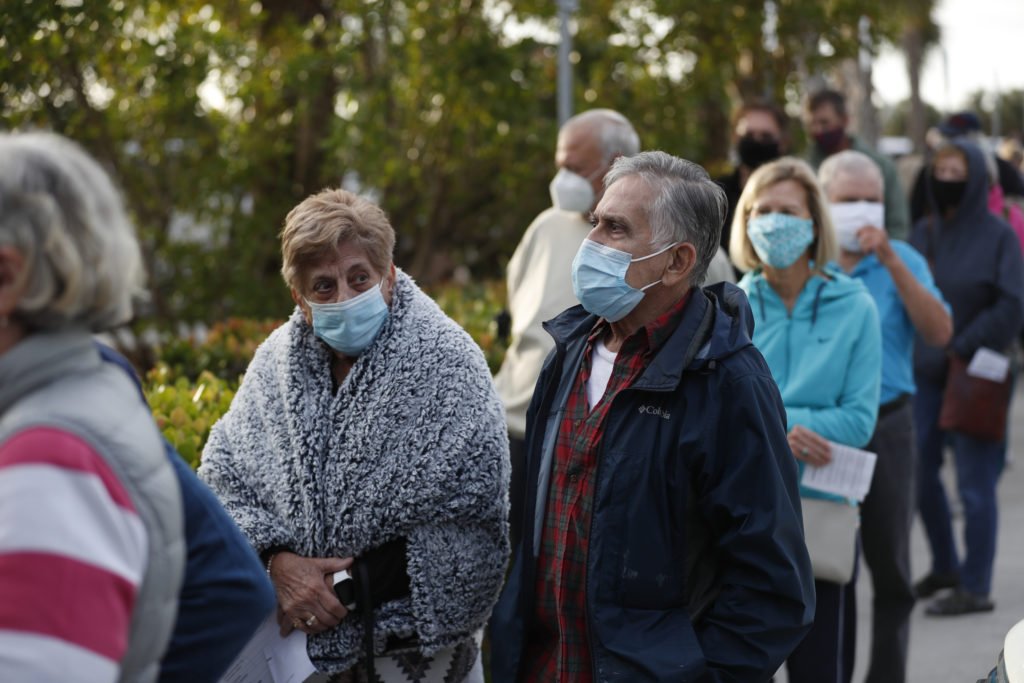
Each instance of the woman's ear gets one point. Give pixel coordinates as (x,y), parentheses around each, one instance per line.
(301,303)
(389,288)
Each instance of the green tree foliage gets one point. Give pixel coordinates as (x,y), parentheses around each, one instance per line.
(218,118)
(898,120)
(1008,108)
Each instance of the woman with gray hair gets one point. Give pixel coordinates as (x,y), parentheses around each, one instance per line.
(367,438)
(91,520)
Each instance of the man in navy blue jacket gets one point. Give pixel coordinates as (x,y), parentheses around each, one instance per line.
(226,594)
(661,537)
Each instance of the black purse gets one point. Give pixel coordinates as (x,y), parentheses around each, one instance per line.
(377,576)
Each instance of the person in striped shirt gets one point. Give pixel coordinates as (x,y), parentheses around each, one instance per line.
(91,521)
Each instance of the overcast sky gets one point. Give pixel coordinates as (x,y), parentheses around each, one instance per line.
(983,42)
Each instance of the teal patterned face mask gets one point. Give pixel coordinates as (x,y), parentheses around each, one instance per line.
(780,239)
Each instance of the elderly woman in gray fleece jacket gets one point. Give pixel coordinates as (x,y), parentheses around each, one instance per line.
(368,418)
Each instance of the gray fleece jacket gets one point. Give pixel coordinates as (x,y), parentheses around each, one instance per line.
(412,444)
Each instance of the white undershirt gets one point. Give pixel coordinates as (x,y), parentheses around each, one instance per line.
(602,361)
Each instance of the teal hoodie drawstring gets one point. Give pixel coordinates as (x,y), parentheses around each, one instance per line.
(760,298)
(817,300)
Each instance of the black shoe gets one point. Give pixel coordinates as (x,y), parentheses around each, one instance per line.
(933,583)
(960,602)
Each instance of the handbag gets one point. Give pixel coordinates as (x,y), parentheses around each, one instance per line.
(830,532)
(973,405)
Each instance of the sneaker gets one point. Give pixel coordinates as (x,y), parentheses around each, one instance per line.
(933,583)
(960,602)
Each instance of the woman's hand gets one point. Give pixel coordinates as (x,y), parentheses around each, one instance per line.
(809,447)
(305,598)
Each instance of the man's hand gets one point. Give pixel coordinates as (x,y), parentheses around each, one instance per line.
(809,447)
(875,241)
(305,598)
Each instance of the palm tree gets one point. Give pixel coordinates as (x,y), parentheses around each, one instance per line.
(919,32)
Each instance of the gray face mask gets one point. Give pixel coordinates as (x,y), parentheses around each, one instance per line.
(571,192)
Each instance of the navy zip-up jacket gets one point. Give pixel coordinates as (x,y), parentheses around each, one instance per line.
(976,260)
(697,568)
(226,594)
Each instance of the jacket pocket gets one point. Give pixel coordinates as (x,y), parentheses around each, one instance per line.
(638,645)
(645,552)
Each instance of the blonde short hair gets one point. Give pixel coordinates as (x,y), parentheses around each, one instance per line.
(60,209)
(323,221)
(787,168)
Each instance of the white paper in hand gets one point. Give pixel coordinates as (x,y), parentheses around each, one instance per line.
(989,364)
(848,475)
(269,658)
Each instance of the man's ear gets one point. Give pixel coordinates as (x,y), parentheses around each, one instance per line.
(12,279)
(680,266)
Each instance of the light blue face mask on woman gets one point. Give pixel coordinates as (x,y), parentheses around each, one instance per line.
(780,239)
(599,280)
(350,326)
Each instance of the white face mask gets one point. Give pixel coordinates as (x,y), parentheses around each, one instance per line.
(849,217)
(571,192)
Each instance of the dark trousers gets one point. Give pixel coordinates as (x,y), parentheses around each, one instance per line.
(827,654)
(978,466)
(887,515)
(517,488)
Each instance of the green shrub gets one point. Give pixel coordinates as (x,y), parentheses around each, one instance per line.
(474,307)
(225,352)
(185,410)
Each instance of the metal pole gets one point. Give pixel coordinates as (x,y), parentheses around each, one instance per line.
(770,43)
(565,10)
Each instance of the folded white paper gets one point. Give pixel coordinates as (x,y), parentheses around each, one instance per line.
(989,364)
(848,475)
(269,658)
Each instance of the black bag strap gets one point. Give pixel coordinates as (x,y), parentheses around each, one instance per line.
(361,576)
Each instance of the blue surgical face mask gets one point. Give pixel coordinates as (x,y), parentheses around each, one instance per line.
(780,239)
(350,326)
(599,280)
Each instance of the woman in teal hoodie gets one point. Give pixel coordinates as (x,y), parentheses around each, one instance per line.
(818,330)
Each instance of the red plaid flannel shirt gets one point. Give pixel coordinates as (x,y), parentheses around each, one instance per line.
(558,647)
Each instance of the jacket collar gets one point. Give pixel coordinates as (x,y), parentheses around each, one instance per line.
(666,367)
(42,358)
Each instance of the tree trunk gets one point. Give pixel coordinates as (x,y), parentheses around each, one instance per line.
(913,52)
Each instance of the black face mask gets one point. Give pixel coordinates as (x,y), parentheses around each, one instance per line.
(948,193)
(831,141)
(754,153)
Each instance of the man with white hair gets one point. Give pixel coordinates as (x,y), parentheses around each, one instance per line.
(661,537)
(909,304)
(539,287)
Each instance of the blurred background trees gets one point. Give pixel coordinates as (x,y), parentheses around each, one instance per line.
(217,119)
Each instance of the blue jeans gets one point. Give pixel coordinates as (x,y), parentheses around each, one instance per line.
(978,466)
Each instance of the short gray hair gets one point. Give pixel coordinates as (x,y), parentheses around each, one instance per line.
(689,206)
(616,133)
(849,162)
(60,209)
